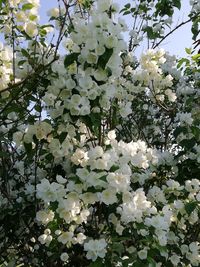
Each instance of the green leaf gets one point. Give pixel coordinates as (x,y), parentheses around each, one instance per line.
(4,154)
(196,57)
(164,7)
(150,33)
(21,62)
(114,168)
(196,132)
(11,263)
(97,263)
(139,263)
(38,108)
(47,26)
(95,122)
(43,32)
(69,59)
(32,17)
(103,59)
(128,262)
(180,130)
(181,61)
(24,52)
(29,149)
(177,3)
(190,207)
(62,137)
(188,144)
(127,12)
(152,262)
(118,247)
(127,5)
(195,29)
(27,6)
(188,51)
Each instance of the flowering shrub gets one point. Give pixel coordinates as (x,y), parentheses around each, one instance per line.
(99,149)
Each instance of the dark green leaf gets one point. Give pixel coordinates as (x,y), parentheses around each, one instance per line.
(152,262)
(150,33)
(127,12)
(196,132)
(118,247)
(127,5)
(195,29)
(190,207)
(38,108)
(180,130)
(164,7)
(69,59)
(103,59)
(21,62)
(188,144)
(4,154)
(24,52)
(29,149)
(177,3)
(97,263)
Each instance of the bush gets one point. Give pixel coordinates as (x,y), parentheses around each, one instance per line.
(100,150)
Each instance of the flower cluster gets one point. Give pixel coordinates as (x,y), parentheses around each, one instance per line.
(6,66)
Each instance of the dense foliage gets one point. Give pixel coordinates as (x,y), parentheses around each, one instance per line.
(99,148)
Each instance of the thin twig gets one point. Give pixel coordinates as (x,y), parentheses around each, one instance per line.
(176,28)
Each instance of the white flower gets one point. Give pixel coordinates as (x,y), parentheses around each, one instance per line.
(54,12)
(111,41)
(184,118)
(175,259)
(95,248)
(171,96)
(70,83)
(64,257)
(140,160)
(78,105)
(80,157)
(60,179)
(95,152)
(31,29)
(100,75)
(133,209)
(125,110)
(58,232)
(158,222)
(89,198)
(42,239)
(103,5)
(65,237)
(80,238)
(119,181)
(45,238)
(45,216)
(194,247)
(142,254)
(83,216)
(108,196)
(86,82)
(41,129)
(119,229)
(50,192)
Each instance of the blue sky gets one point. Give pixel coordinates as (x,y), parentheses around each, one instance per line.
(175,44)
